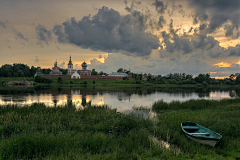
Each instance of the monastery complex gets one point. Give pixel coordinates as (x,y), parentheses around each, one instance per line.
(84,73)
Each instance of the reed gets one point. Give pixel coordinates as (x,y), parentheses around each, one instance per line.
(99,132)
(220,116)
(62,132)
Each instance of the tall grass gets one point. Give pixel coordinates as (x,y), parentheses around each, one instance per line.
(160,106)
(220,116)
(63,132)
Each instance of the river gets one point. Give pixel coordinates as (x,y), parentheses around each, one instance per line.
(122,99)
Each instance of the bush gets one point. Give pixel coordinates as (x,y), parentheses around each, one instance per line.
(204,84)
(71,82)
(41,79)
(38,78)
(138,82)
(84,82)
(60,80)
(93,82)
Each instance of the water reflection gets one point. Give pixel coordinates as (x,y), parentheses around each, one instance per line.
(122,99)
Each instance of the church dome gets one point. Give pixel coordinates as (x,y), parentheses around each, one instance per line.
(84,64)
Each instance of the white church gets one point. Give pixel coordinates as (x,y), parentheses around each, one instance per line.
(76,74)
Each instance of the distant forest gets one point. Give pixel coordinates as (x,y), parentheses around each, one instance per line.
(22,70)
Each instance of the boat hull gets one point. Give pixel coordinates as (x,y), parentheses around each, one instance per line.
(211,143)
(200,134)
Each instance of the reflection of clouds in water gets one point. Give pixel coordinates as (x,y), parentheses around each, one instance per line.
(219,95)
(116,99)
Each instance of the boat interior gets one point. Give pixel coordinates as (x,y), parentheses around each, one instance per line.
(194,129)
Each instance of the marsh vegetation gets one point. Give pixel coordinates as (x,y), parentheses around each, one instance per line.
(63,132)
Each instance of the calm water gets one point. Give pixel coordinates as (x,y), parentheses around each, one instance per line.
(123,99)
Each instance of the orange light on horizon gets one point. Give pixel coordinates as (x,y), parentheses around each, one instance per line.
(220,77)
(222,64)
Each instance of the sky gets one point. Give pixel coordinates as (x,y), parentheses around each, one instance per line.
(147,36)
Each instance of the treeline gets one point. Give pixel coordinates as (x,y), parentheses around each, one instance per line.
(22,70)
(182,78)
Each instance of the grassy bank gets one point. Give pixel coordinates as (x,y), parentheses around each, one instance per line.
(101,133)
(67,133)
(220,116)
(109,83)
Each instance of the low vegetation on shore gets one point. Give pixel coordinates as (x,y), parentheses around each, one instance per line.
(99,132)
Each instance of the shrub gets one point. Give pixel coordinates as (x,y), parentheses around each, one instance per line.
(204,84)
(84,82)
(60,79)
(41,79)
(38,78)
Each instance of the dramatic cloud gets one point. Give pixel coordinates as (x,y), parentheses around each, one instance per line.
(153,65)
(3,24)
(161,21)
(62,65)
(108,31)
(19,35)
(43,34)
(141,17)
(160,7)
(217,12)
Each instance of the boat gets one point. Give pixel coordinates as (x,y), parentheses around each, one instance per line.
(200,134)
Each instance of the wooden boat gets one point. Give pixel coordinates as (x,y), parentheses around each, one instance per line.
(200,134)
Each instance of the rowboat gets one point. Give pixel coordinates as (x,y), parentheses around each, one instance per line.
(200,134)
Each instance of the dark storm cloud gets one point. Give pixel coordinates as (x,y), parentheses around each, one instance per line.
(160,7)
(3,24)
(108,31)
(141,17)
(201,44)
(19,35)
(161,21)
(217,12)
(230,31)
(58,30)
(43,34)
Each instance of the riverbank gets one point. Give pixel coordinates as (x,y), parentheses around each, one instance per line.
(109,83)
(101,133)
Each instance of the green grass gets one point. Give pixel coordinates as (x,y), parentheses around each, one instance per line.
(40,132)
(66,133)
(219,116)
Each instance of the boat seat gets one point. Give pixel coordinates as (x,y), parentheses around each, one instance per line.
(190,127)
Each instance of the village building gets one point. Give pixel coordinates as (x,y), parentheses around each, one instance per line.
(70,67)
(117,74)
(55,70)
(84,71)
(75,75)
(38,72)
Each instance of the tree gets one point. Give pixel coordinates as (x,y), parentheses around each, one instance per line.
(120,70)
(38,78)
(60,80)
(149,77)
(20,73)
(204,84)
(94,72)
(238,79)
(100,73)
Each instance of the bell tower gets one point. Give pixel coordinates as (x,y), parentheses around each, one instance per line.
(70,67)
